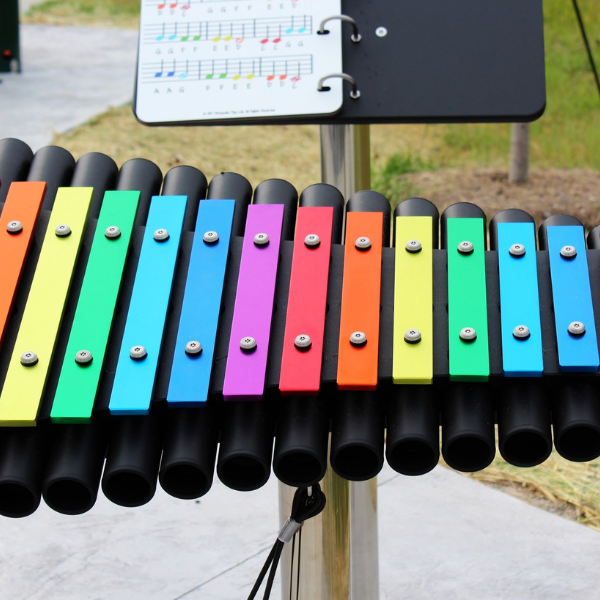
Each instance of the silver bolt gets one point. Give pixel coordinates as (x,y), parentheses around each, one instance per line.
(302,342)
(521,332)
(358,338)
(261,239)
(465,247)
(468,334)
(193,348)
(363,243)
(83,357)
(210,237)
(28,359)
(63,230)
(138,353)
(576,328)
(517,250)
(413,246)
(248,344)
(112,232)
(14,227)
(568,252)
(381,32)
(412,336)
(161,235)
(312,240)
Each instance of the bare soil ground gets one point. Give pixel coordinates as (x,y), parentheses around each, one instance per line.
(548,192)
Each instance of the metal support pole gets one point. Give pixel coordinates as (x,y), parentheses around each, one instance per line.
(339,548)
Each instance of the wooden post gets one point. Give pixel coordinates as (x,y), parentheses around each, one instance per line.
(519,153)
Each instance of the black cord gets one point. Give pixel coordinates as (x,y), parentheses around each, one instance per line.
(273,570)
(304,506)
(299,557)
(587,45)
(292,561)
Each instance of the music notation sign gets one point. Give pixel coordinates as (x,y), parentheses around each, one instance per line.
(235,60)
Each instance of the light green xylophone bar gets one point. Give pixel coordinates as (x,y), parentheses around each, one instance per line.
(467,305)
(76,391)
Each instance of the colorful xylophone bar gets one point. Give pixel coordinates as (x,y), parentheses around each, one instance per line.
(183,323)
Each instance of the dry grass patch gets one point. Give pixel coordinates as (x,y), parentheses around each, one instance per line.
(256,152)
(569,489)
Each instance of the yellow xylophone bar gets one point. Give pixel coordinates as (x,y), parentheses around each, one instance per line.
(33,350)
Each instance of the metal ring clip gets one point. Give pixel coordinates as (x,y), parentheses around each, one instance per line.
(355,37)
(354,94)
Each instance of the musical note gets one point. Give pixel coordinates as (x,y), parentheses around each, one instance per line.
(264,30)
(270,69)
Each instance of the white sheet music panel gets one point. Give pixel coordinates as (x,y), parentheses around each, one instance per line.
(236,60)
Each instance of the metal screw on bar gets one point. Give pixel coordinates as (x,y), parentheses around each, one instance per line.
(468,334)
(576,328)
(521,332)
(210,237)
(161,235)
(112,232)
(363,243)
(358,338)
(83,357)
(14,227)
(413,246)
(412,336)
(261,239)
(248,344)
(193,348)
(568,252)
(312,240)
(465,247)
(62,230)
(517,250)
(138,353)
(302,342)
(28,359)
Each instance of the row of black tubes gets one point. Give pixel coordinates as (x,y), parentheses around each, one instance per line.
(178,447)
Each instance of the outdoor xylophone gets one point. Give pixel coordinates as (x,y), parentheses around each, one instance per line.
(143,334)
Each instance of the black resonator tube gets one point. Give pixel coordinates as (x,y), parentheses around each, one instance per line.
(55,166)
(244,461)
(468,441)
(190,448)
(413,415)
(302,436)
(524,431)
(357,434)
(575,407)
(15,159)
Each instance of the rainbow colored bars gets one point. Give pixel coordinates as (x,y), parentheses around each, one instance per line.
(464,261)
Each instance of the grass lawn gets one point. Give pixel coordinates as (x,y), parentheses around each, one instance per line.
(87,13)
(567,136)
